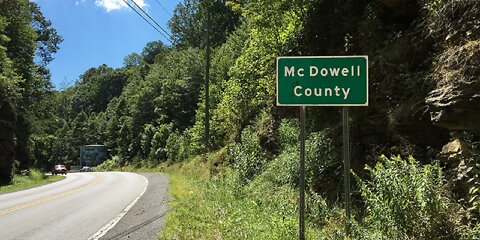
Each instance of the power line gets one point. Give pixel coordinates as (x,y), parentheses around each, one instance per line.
(166,38)
(141,9)
(164,9)
(139,14)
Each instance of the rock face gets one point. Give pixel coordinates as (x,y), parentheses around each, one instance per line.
(7,141)
(455,102)
(410,121)
(454,150)
(458,158)
(455,105)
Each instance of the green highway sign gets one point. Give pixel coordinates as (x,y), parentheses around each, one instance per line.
(322,81)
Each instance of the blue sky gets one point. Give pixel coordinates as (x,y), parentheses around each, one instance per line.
(99,31)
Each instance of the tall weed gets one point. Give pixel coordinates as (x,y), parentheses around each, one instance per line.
(406,200)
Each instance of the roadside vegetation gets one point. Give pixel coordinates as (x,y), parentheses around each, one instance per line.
(32,178)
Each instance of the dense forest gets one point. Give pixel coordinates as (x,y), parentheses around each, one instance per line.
(415,148)
(27,115)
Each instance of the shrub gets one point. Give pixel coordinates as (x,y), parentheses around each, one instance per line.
(110,164)
(283,170)
(36,174)
(406,200)
(185,150)
(288,133)
(178,147)
(247,156)
(323,167)
(471,233)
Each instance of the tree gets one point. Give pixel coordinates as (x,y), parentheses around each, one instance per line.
(96,87)
(189,22)
(178,81)
(48,40)
(132,60)
(24,85)
(151,50)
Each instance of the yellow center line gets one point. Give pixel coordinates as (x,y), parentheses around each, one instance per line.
(40,201)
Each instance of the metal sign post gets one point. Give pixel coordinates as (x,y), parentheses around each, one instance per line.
(302,174)
(346,167)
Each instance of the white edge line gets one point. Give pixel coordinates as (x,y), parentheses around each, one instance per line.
(114,221)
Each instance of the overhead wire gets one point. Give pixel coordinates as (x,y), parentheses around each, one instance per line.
(164,9)
(139,14)
(153,20)
(169,38)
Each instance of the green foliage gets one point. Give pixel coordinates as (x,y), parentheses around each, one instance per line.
(288,133)
(25,89)
(406,200)
(172,147)
(211,209)
(36,174)
(146,139)
(96,88)
(9,80)
(189,23)
(112,164)
(151,50)
(177,147)
(322,163)
(247,155)
(132,60)
(180,77)
(42,146)
(223,58)
(323,166)
(48,40)
(159,142)
(471,233)
(251,86)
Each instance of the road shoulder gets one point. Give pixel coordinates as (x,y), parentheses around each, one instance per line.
(147,217)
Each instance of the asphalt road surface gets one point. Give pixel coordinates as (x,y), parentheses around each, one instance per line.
(82,206)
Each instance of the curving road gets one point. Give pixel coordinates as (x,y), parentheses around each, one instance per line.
(82,206)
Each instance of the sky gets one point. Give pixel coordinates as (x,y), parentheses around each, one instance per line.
(99,32)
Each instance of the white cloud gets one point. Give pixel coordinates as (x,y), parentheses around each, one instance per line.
(78,2)
(111,5)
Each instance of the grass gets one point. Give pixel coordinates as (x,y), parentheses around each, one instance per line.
(190,213)
(34,179)
(209,207)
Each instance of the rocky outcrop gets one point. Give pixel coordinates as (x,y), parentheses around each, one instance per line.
(411,121)
(458,157)
(7,141)
(455,102)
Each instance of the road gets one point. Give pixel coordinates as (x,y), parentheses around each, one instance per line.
(82,206)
